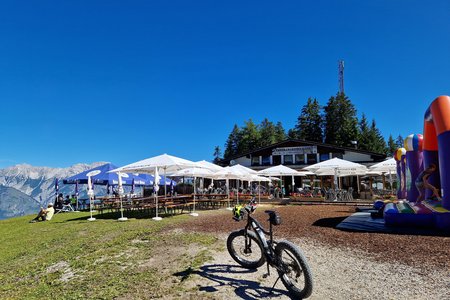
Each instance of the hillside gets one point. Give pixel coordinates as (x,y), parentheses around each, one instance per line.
(14,203)
(71,258)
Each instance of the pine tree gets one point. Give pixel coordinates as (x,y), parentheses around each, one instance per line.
(400,142)
(392,146)
(292,134)
(309,123)
(331,126)
(233,142)
(379,144)
(266,133)
(249,137)
(341,123)
(217,155)
(280,133)
(364,140)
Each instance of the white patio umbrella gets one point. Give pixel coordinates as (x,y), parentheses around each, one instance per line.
(210,166)
(388,166)
(229,173)
(337,167)
(169,164)
(279,170)
(385,166)
(259,179)
(121,191)
(194,172)
(90,191)
(282,170)
(247,174)
(243,169)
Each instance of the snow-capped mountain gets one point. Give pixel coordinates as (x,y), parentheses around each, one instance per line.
(39,182)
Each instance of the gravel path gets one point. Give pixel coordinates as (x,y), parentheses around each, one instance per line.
(337,273)
(345,265)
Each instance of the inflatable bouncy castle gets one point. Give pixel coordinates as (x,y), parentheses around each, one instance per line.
(423,169)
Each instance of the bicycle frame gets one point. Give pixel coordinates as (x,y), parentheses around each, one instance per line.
(260,234)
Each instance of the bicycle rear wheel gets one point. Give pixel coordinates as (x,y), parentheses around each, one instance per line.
(246,251)
(294,272)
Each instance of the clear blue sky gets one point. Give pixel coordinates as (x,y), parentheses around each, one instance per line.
(120,81)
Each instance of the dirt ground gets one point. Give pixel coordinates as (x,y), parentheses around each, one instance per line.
(345,265)
(316,223)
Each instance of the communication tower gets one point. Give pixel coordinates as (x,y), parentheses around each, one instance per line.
(341,76)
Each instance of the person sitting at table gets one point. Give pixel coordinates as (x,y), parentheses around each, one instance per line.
(73,201)
(59,201)
(45,214)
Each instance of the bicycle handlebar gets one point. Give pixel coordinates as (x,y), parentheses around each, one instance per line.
(251,206)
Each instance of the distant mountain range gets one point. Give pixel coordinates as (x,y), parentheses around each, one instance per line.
(24,188)
(14,203)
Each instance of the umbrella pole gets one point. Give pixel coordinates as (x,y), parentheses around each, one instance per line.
(293,185)
(121,207)
(237,194)
(76,192)
(358,183)
(121,210)
(156,202)
(156,218)
(259,192)
(90,209)
(165,187)
(120,188)
(390,181)
(194,214)
(90,193)
(227,183)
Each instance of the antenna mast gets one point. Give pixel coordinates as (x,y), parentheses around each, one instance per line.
(341,76)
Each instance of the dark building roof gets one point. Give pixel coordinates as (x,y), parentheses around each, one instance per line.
(326,148)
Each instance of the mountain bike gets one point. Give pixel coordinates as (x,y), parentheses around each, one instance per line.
(250,248)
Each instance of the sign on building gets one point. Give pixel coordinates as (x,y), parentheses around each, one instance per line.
(295,150)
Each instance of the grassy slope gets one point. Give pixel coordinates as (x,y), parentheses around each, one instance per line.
(101,259)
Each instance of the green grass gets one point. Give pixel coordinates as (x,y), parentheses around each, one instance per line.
(103,259)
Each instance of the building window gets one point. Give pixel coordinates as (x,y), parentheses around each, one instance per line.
(324,156)
(288,160)
(312,158)
(255,161)
(299,159)
(276,160)
(266,160)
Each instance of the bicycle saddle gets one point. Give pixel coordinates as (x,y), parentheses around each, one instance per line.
(274,217)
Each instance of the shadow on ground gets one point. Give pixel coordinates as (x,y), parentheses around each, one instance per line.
(222,275)
(329,222)
(116,215)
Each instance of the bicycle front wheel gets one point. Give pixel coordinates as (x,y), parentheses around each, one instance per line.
(294,270)
(245,249)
